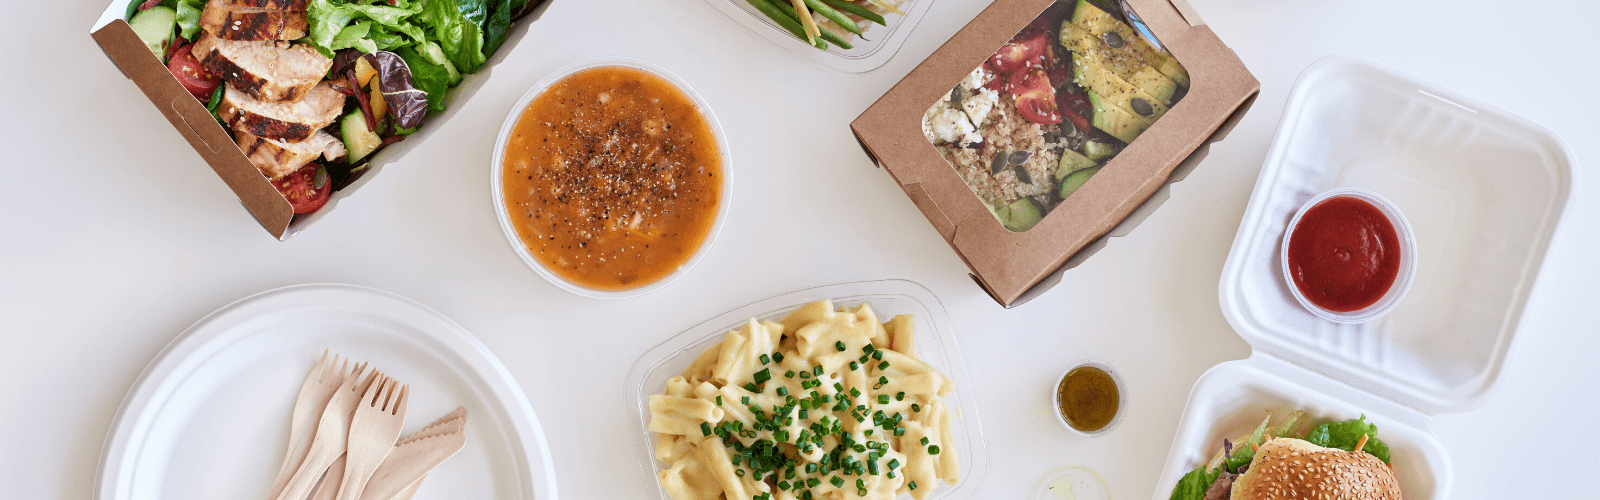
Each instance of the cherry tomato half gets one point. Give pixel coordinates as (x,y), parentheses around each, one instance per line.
(306,189)
(194,78)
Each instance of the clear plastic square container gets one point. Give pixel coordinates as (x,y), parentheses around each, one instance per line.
(1483,191)
(935,344)
(882,42)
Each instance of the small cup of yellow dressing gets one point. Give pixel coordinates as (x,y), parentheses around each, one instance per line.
(1090,398)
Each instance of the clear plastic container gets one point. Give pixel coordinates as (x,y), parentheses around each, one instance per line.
(866,56)
(497,190)
(935,344)
(1483,191)
(1402,280)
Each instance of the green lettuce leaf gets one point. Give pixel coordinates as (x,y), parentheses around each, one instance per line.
(427,77)
(1194,484)
(354,37)
(189,18)
(1344,435)
(497,27)
(461,39)
(1242,452)
(329,19)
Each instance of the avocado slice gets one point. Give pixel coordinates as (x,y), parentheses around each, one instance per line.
(1075,180)
(1098,22)
(1071,162)
(1096,150)
(155,28)
(1020,215)
(1122,64)
(1118,91)
(1113,120)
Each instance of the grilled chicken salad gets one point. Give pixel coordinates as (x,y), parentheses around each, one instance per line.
(281,73)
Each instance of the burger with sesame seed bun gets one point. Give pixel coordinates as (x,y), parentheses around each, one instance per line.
(1331,461)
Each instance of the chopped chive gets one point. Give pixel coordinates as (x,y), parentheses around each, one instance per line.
(890,475)
(812,482)
(933,450)
(764,375)
(783,485)
(883,399)
(867,348)
(872,467)
(877,355)
(839,387)
(738,472)
(899,431)
(900,396)
(867,432)
(916,407)
(883,366)
(777,356)
(924,440)
(705,428)
(804,414)
(744,400)
(805,375)
(912,485)
(855,393)
(863,359)
(817,370)
(752,388)
(765,359)
(894,463)
(837,483)
(839,345)
(784,391)
(855,366)
(811,468)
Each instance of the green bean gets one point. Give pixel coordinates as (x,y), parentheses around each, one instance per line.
(826,35)
(829,12)
(857,9)
(784,19)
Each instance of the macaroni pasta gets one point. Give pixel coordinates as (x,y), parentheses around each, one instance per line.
(828,404)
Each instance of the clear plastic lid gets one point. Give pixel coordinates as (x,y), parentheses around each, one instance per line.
(935,344)
(870,51)
(1483,191)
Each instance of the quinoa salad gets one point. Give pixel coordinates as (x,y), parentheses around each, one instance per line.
(1041,116)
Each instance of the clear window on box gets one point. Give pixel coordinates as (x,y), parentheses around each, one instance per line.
(1040,117)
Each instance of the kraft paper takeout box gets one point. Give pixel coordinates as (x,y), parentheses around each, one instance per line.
(1016,267)
(215,143)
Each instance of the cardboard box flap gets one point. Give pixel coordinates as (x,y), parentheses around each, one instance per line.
(214,144)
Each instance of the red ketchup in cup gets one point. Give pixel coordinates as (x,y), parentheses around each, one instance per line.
(1344,254)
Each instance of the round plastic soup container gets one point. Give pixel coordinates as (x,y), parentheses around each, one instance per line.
(497,161)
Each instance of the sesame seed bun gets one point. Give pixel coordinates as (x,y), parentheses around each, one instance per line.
(1287,468)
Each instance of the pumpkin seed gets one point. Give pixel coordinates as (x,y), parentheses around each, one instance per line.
(998,164)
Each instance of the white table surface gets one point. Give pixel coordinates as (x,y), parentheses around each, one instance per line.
(117,237)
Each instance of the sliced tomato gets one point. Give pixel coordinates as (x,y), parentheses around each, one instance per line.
(194,78)
(1018,55)
(306,189)
(1075,108)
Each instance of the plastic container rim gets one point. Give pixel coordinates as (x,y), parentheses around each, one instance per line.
(496,174)
(1408,257)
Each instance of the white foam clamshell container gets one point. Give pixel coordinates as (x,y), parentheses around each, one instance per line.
(1484,192)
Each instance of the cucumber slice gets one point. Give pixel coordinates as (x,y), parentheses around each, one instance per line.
(155,28)
(1075,180)
(1071,162)
(360,141)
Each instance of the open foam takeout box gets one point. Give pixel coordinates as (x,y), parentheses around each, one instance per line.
(1484,192)
(215,143)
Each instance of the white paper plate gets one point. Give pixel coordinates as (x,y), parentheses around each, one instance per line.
(209,418)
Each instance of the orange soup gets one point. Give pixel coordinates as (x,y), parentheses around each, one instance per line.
(612,178)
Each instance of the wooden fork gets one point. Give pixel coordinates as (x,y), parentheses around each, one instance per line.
(319,386)
(332,431)
(373,431)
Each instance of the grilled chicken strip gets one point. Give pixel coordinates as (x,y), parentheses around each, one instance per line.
(277,158)
(283,121)
(266,4)
(268,71)
(251,23)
